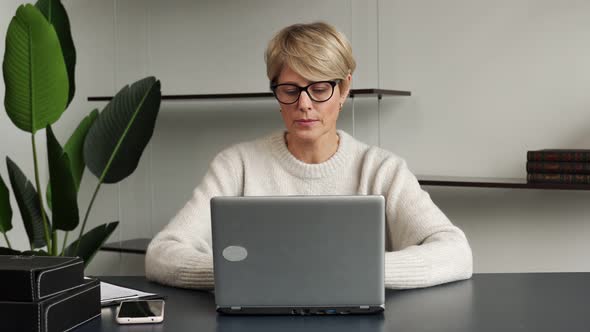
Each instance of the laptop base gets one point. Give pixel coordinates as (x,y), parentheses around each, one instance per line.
(301,311)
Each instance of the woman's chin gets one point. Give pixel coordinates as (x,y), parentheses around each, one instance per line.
(308,135)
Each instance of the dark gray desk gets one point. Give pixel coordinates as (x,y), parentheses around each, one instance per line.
(488,302)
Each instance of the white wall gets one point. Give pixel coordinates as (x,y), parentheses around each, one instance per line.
(489,81)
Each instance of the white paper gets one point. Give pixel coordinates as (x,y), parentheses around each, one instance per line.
(110,292)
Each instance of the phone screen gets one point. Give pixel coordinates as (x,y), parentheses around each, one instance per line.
(136,309)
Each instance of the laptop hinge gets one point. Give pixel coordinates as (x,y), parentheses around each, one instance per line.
(364,307)
(236,308)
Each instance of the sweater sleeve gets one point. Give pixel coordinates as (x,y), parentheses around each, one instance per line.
(181,254)
(427,248)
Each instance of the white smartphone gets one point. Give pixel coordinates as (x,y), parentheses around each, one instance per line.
(140,312)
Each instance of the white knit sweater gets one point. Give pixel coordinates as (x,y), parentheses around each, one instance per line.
(423,248)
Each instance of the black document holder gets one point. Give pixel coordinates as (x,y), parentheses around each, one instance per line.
(33,278)
(46,294)
(57,313)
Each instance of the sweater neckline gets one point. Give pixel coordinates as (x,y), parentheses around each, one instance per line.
(311,171)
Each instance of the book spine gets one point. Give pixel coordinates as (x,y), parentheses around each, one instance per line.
(570,156)
(557,167)
(558,178)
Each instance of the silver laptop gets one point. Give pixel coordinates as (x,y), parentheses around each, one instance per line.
(301,255)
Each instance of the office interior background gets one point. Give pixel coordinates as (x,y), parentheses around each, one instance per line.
(489,81)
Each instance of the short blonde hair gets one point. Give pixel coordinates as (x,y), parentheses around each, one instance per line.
(316,51)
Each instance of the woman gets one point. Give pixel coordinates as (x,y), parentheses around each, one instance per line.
(310,68)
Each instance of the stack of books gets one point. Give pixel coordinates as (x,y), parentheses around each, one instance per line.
(560,166)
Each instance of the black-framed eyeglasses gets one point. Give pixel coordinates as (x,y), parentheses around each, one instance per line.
(288,93)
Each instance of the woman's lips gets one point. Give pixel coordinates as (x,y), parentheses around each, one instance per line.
(306,122)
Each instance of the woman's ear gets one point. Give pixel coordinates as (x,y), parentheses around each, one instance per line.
(347,84)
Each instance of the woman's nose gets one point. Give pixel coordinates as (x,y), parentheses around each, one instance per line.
(304,101)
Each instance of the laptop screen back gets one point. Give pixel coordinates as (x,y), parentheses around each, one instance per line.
(298,251)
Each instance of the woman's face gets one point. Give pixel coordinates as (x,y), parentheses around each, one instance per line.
(306,119)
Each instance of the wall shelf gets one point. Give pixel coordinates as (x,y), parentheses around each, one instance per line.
(139,246)
(448,181)
(353,93)
(132,246)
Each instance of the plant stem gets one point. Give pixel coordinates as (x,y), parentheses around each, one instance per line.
(87,214)
(8,242)
(63,249)
(45,226)
(54,244)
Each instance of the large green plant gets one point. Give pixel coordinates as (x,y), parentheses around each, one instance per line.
(38,70)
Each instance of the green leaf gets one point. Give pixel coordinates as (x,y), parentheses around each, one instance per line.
(35,74)
(9,251)
(118,137)
(65,198)
(5,209)
(74,148)
(28,204)
(56,14)
(91,242)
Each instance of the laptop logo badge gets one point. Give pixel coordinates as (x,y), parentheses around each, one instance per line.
(235,253)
